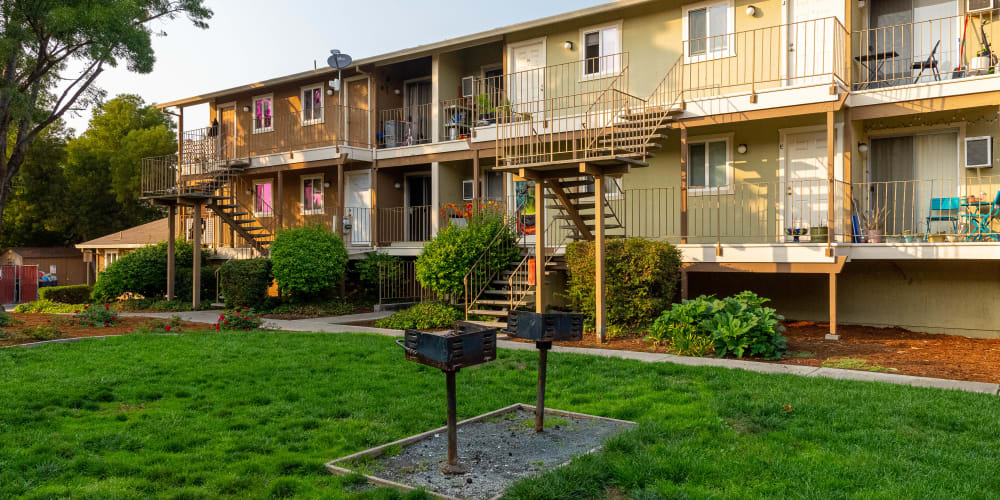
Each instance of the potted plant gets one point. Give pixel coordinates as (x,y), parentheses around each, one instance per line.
(819,234)
(981,62)
(487,112)
(872,222)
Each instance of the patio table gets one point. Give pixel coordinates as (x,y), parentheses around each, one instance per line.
(873,71)
(979,218)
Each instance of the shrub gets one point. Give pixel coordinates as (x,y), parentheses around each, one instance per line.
(422,317)
(42,332)
(368,271)
(642,280)
(307,260)
(144,272)
(11,335)
(244,283)
(314,309)
(445,260)
(7,320)
(69,294)
(47,306)
(156,324)
(239,319)
(739,325)
(95,316)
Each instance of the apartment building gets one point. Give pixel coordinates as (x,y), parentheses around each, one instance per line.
(834,155)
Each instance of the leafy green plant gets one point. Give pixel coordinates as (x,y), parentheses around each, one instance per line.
(7,320)
(308,260)
(47,307)
(646,276)
(144,273)
(239,320)
(369,269)
(313,309)
(157,324)
(445,260)
(244,283)
(42,332)
(69,294)
(422,317)
(95,316)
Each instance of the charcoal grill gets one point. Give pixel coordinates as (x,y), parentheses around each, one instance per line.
(467,345)
(543,329)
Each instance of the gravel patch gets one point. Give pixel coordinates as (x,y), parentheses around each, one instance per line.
(496,452)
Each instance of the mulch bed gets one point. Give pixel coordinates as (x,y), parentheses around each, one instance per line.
(124,325)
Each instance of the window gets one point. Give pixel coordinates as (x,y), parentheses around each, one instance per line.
(263,110)
(262,196)
(467,193)
(109,258)
(708,164)
(600,50)
(312,105)
(312,195)
(706,30)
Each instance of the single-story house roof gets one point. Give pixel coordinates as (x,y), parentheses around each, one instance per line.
(45,252)
(146,234)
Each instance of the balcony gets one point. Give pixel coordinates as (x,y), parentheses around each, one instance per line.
(936,50)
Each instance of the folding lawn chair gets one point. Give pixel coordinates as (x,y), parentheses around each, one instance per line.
(944,210)
(929,63)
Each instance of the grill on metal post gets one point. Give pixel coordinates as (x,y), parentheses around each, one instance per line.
(544,328)
(467,345)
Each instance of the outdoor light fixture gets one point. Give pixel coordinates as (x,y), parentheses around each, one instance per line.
(741,149)
(751,10)
(397,185)
(397,91)
(326,184)
(246,109)
(329,91)
(568,45)
(862,147)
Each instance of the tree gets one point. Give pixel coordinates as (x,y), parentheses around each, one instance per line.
(36,210)
(39,39)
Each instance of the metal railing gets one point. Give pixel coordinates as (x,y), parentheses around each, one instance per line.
(402,224)
(926,51)
(290,130)
(398,283)
(486,268)
(404,126)
(458,118)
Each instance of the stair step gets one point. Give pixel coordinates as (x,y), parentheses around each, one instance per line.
(489,312)
(491,302)
(571,196)
(491,324)
(507,293)
(575,183)
(515,282)
(591,226)
(607,215)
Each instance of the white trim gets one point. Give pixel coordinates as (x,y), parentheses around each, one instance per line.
(599,28)
(302,194)
(490,67)
(989,150)
(253,197)
(730,30)
(727,188)
(838,162)
(509,82)
(109,253)
(253,113)
(302,105)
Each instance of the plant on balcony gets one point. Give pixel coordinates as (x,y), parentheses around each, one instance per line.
(487,112)
(307,261)
(872,221)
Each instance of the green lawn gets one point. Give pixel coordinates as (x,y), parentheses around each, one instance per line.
(256,415)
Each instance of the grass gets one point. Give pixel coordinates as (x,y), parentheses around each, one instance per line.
(255,415)
(856,364)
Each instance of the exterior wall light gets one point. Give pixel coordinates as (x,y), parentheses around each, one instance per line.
(397,185)
(862,147)
(326,184)
(246,109)
(751,10)
(329,91)
(568,45)
(741,149)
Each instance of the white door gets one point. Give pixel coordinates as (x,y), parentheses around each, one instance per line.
(811,34)
(526,79)
(805,181)
(358,205)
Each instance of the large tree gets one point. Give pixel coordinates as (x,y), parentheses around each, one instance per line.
(41,40)
(37,207)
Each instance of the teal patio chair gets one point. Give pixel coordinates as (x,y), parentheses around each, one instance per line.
(980,222)
(944,210)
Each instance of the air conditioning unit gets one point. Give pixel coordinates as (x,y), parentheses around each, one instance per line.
(468,87)
(979,152)
(978,5)
(467,190)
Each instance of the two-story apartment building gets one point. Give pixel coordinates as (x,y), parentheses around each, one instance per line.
(833,155)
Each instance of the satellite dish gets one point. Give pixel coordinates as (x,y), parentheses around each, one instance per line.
(337,60)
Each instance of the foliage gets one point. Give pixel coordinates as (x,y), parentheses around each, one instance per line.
(152,305)
(7,320)
(244,319)
(144,272)
(368,271)
(244,283)
(69,294)
(643,277)
(41,332)
(445,259)
(422,317)
(95,316)
(315,309)
(47,306)
(308,260)
(740,325)
(157,324)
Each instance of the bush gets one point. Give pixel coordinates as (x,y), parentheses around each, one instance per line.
(47,306)
(448,257)
(422,317)
(7,320)
(739,325)
(96,316)
(307,260)
(313,309)
(642,280)
(244,283)
(69,294)
(144,273)
(42,332)
(239,319)
(368,271)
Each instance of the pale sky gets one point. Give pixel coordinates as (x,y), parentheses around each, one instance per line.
(253,40)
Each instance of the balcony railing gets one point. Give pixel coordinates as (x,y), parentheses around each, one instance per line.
(292,130)
(406,126)
(926,51)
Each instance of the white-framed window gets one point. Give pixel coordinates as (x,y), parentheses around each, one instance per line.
(109,258)
(312,195)
(600,50)
(707,29)
(263,196)
(710,169)
(467,189)
(312,104)
(263,113)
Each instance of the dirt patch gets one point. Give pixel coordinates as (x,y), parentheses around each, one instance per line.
(124,325)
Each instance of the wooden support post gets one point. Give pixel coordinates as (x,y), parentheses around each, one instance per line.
(833,308)
(540,246)
(171,246)
(196,259)
(848,152)
(684,284)
(476,194)
(374,206)
(600,316)
(831,196)
(684,184)
(279,200)
(338,221)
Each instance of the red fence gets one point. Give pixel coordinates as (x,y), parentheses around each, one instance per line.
(18,284)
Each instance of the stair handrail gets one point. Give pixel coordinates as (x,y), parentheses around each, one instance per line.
(608,90)
(241,184)
(512,223)
(518,294)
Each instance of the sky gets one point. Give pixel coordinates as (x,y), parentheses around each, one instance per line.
(253,40)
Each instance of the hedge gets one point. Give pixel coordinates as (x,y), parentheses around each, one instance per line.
(642,280)
(68,294)
(449,256)
(244,283)
(308,260)
(144,272)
